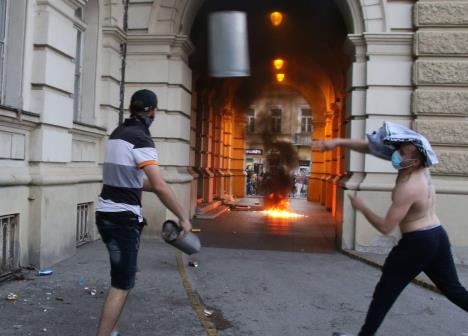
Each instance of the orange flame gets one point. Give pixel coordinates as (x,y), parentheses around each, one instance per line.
(280,210)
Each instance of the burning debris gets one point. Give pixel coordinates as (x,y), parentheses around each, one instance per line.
(279,209)
(282,160)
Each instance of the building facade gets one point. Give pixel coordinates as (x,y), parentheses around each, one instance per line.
(68,68)
(289,117)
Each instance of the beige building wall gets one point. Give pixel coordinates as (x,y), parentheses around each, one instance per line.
(440,106)
(53,125)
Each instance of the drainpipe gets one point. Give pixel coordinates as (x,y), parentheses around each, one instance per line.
(123,50)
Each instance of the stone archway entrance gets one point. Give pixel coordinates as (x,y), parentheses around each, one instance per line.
(311,41)
(354,94)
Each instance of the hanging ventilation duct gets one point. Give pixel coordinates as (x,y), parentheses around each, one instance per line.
(228,44)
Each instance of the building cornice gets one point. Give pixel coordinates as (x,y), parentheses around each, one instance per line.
(115,32)
(178,44)
(73,3)
(389,38)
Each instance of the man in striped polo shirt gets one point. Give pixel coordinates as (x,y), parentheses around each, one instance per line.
(130,154)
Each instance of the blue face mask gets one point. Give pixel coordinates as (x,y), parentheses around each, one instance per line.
(397,161)
(147,121)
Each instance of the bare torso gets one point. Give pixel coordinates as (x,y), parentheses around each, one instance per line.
(421,214)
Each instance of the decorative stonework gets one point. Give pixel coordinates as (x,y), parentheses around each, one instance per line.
(444,131)
(441,13)
(440,102)
(441,43)
(451,163)
(441,72)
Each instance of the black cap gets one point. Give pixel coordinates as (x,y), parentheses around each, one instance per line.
(144,101)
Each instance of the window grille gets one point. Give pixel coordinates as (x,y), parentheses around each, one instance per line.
(83,214)
(9,241)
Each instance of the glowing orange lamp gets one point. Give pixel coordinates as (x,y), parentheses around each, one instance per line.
(278,63)
(276,18)
(280,77)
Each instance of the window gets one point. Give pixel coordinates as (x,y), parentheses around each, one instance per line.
(306,120)
(276,120)
(87,25)
(9,248)
(78,69)
(250,120)
(2,42)
(12,44)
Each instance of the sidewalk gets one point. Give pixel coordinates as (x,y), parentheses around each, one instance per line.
(377,260)
(59,305)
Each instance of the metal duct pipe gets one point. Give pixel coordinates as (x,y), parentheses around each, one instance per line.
(229,47)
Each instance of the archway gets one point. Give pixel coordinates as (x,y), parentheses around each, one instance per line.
(311,41)
(161,40)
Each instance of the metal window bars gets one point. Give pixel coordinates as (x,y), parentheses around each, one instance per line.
(9,249)
(82,223)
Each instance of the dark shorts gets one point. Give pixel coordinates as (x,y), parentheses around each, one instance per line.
(120,231)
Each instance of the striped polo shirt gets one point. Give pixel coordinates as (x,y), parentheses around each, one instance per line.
(128,150)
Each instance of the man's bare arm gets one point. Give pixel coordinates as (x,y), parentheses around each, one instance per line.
(358,145)
(402,201)
(156,184)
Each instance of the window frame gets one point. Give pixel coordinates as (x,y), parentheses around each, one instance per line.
(251,119)
(276,121)
(3,36)
(78,61)
(305,121)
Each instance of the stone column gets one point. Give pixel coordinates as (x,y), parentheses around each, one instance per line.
(440,105)
(327,186)
(238,150)
(160,63)
(227,152)
(380,88)
(318,164)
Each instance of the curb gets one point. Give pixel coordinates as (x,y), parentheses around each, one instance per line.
(194,299)
(376,264)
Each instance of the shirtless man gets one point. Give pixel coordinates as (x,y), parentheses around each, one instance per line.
(424,246)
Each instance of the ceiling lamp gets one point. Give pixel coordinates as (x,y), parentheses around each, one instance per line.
(279,77)
(278,63)
(276,18)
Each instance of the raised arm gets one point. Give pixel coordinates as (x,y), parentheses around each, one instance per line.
(352,144)
(156,184)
